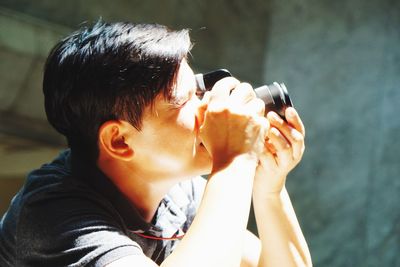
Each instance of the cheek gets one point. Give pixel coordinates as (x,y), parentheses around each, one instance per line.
(177,132)
(187,116)
(186,122)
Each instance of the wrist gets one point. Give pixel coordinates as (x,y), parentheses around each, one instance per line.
(245,160)
(264,191)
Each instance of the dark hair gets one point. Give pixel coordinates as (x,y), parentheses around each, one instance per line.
(108,72)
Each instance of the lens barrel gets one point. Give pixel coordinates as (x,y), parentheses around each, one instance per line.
(275,96)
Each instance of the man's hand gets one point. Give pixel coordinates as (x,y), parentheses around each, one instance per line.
(283,150)
(283,243)
(233,122)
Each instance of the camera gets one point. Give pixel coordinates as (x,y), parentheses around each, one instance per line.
(275,96)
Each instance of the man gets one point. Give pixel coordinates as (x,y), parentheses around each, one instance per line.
(124,193)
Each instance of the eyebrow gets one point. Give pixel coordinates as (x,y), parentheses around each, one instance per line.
(178,100)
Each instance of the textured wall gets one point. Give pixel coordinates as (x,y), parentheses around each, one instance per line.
(229,32)
(341,62)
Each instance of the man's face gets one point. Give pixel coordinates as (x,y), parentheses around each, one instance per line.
(169,144)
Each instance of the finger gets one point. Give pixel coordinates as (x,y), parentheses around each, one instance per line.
(222,89)
(278,140)
(255,107)
(259,127)
(264,123)
(294,119)
(205,101)
(270,147)
(242,94)
(283,148)
(294,137)
(268,159)
(206,97)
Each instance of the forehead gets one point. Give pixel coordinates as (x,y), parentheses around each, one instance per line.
(185,87)
(186,81)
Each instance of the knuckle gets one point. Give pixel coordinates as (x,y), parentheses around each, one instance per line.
(218,110)
(297,137)
(265,123)
(275,132)
(275,118)
(256,127)
(222,84)
(261,106)
(225,111)
(246,85)
(216,107)
(286,146)
(212,96)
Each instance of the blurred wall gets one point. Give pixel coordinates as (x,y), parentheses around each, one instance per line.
(339,59)
(341,62)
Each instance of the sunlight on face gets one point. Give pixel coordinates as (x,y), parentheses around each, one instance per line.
(168,144)
(186,84)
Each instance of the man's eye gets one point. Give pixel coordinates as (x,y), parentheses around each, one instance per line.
(199,93)
(178,104)
(183,103)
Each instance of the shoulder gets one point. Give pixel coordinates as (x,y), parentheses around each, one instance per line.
(62,217)
(53,193)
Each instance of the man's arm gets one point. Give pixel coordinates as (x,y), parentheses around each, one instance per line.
(214,237)
(233,134)
(251,250)
(283,243)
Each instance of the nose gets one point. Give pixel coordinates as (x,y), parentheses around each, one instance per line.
(200,93)
(199,111)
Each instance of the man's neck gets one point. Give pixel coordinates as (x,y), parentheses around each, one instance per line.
(145,196)
(143,191)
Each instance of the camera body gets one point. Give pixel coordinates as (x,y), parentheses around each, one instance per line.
(275,96)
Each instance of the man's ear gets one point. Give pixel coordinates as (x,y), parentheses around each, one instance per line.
(114,139)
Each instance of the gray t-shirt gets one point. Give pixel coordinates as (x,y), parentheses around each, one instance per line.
(60,218)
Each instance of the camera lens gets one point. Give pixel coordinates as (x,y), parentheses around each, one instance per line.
(275,96)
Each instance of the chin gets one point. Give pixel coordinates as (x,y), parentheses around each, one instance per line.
(201,163)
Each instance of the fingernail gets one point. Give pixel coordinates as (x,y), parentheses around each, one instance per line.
(291,112)
(274,116)
(275,131)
